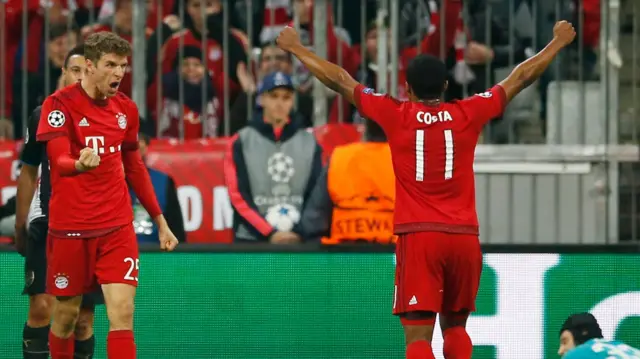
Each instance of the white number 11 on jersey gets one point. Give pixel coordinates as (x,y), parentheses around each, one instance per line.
(448,157)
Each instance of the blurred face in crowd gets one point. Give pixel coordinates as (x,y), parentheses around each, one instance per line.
(74,71)
(372,44)
(192,70)
(60,46)
(124,13)
(274,59)
(566,343)
(277,105)
(303,8)
(57,13)
(196,7)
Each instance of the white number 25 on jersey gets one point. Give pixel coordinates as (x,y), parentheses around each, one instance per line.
(448,158)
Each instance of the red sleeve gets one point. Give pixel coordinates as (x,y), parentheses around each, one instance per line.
(130,142)
(59,153)
(53,120)
(139,180)
(483,107)
(383,109)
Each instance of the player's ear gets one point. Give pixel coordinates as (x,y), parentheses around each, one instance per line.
(259,100)
(89,67)
(446,85)
(408,88)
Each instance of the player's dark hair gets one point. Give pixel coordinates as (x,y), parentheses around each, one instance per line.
(583,327)
(374,132)
(78,50)
(427,76)
(188,52)
(101,43)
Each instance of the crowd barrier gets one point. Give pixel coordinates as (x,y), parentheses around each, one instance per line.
(265,302)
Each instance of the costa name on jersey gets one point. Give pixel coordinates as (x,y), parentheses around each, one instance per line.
(91,200)
(428,118)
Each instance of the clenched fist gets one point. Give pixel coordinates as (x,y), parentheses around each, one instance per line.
(564,32)
(88,160)
(168,240)
(288,38)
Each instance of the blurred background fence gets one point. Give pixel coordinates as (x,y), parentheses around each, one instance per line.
(558,167)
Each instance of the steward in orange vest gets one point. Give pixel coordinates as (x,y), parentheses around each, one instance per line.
(354,198)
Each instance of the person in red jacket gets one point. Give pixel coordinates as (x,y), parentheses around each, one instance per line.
(215,44)
(185,116)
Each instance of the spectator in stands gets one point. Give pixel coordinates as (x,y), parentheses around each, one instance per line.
(43,79)
(122,24)
(367,74)
(167,195)
(198,105)
(349,59)
(271,167)
(232,42)
(354,197)
(271,59)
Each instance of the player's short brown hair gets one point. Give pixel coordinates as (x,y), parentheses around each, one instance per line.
(101,43)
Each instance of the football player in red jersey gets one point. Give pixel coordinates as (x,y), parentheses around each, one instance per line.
(91,131)
(432,146)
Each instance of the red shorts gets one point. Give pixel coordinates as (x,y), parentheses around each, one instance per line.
(77,266)
(436,272)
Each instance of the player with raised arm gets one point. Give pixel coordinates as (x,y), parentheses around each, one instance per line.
(35,336)
(432,146)
(91,134)
(581,338)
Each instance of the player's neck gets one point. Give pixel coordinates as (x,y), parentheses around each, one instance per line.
(434,102)
(92,90)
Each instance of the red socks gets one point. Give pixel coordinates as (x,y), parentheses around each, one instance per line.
(457,344)
(60,348)
(420,349)
(120,345)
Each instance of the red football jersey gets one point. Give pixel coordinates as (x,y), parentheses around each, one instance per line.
(96,199)
(433,149)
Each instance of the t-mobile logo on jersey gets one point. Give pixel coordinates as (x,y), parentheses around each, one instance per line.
(97,143)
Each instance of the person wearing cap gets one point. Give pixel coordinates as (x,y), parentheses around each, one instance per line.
(271,167)
(581,338)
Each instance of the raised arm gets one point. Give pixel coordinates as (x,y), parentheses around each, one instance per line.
(530,70)
(331,75)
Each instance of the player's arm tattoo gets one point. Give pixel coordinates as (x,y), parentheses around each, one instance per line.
(530,70)
(331,75)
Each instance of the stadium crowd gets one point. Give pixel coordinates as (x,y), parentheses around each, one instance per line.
(186,85)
